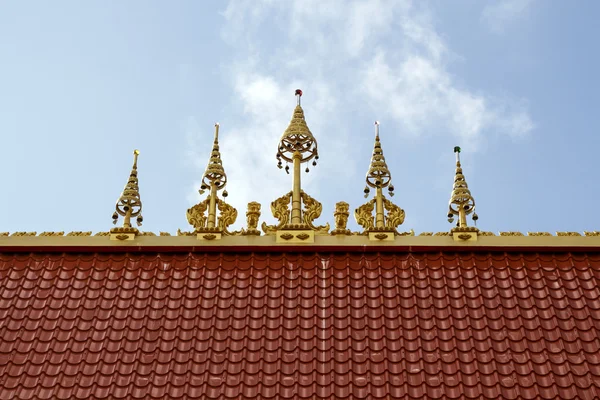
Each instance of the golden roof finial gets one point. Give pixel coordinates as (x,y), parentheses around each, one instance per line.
(129,204)
(461,201)
(297,138)
(379,177)
(214,174)
(206,224)
(297,145)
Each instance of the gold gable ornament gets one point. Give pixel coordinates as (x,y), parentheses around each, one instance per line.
(129,205)
(203,216)
(297,145)
(462,204)
(383,226)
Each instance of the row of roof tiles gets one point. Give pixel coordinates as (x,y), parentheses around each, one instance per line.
(300,326)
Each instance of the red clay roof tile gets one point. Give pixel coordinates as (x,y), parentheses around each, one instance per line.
(300,325)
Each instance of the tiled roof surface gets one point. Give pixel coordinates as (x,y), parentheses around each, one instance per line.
(216,326)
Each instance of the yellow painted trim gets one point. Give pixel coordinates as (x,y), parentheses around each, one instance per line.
(319,240)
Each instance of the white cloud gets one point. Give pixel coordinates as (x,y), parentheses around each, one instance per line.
(385,54)
(500,13)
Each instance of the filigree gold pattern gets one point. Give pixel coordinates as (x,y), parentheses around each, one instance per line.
(52,234)
(24,234)
(102,234)
(568,234)
(303,236)
(4,233)
(381,236)
(426,234)
(364,215)
(465,236)
(122,236)
(511,234)
(486,233)
(312,211)
(395,215)
(209,236)
(280,210)
(410,233)
(81,233)
(227,216)
(539,234)
(165,234)
(442,234)
(593,233)
(196,215)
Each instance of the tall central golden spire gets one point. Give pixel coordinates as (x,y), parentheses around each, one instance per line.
(379,177)
(297,145)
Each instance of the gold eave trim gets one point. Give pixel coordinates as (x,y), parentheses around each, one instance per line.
(10,242)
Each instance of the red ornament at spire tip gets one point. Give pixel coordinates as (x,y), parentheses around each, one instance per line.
(298,92)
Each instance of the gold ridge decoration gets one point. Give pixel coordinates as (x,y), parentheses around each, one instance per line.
(297,145)
(379,178)
(203,216)
(252,217)
(341,215)
(312,211)
(461,201)
(280,210)
(129,204)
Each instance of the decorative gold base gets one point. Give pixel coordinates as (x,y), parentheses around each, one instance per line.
(386,236)
(295,236)
(123,233)
(341,232)
(209,235)
(467,234)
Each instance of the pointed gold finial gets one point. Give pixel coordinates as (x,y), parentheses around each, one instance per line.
(461,204)
(210,227)
(379,177)
(297,145)
(129,205)
(214,176)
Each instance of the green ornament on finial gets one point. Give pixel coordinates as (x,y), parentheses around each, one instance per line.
(456,149)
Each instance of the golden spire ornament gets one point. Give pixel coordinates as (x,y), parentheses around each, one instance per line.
(203,216)
(297,146)
(461,204)
(382,227)
(128,205)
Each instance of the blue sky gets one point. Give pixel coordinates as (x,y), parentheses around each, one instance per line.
(513,82)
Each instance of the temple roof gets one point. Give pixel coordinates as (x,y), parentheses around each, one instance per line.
(313,324)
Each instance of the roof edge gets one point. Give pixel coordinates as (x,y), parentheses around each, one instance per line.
(322,243)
